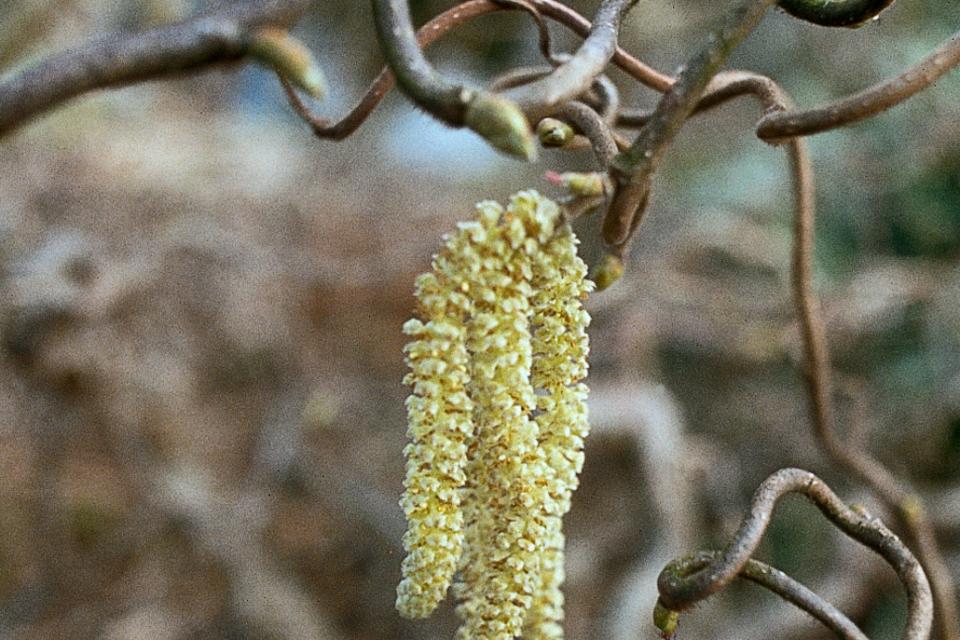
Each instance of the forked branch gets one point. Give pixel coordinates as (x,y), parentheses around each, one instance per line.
(684,583)
(633,170)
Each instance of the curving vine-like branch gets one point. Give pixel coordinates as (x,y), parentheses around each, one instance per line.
(223,35)
(685,582)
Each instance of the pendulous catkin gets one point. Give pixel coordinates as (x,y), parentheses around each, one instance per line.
(497,419)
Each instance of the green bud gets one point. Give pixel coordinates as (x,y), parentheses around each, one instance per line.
(501,123)
(666,620)
(554,133)
(607,271)
(289,57)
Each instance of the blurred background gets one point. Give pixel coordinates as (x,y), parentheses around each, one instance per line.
(201,414)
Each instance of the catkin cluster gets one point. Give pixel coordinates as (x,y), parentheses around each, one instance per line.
(497,419)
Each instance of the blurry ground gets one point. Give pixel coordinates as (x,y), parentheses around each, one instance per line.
(201,414)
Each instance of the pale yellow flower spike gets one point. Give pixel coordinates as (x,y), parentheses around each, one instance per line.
(507,521)
(560,348)
(440,426)
(474,366)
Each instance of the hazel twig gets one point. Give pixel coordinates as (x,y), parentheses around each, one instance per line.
(869,102)
(773,580)
(496,119)
(634,169)
(573,77)
(905,503)
(589,123)
(679,590)
(440,26)
(124,59)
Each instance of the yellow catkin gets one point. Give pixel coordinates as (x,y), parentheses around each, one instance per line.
(439,427)
(487,483)
(507,521)
(560,348)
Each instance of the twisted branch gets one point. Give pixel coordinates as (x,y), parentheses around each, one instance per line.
(589,123)
(903,501)
(683,584)
(776,581)
(634,169)
(907,505)
(443,24)
(573,77)
(867,103)
(219,36)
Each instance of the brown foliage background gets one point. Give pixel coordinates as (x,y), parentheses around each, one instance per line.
(201,414)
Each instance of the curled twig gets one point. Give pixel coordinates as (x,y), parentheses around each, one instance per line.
(779,125)
(634,168)
(777,582)
(443,24)
(574,76)
(679,590)
(543,31)
(869,102)
(496,119)
(906,504)
(589,123)
(124,59)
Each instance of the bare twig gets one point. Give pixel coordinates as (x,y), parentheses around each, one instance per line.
(777,582)
(573,77)
(609,98)
(725,86)
(869,102)
(903,501)
(589,123)
(779,125)
(496,119)
(634,169)
(543,31)
(907,505)
(679,590)
(124,59)
(440,26)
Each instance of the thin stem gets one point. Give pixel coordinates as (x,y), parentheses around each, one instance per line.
(725,86)
(869,102)
(609,97)
(778,582)
(680,591)
(498,120)
(589,123)
(538,99)
(440,26)
(906,504)
(417,78)
(903,501)
(124,59)
(543,30)
(633,169)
